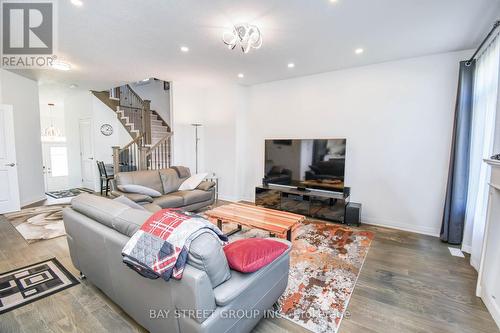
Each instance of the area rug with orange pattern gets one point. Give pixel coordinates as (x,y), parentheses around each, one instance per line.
(325,263)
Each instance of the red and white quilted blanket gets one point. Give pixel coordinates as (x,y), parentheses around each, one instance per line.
(160,247)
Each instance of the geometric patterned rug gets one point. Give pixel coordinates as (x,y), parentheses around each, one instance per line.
(325,263)
(31,283)
(73,192)
(38,223)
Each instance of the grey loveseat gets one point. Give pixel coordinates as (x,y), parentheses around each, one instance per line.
(210,298)
(167,182)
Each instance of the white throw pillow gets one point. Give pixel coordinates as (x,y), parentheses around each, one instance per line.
(131,188)
(192,182)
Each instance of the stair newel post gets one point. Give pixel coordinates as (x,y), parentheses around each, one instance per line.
(143,164)
(116,159)
(146,121)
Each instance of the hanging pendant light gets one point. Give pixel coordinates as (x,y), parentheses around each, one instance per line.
(52,133)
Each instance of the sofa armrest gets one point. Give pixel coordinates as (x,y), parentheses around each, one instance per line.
(136,197)
(194,294)
(205,185)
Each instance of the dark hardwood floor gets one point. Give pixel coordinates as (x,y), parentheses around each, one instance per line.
(409,283)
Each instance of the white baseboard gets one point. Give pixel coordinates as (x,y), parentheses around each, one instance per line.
(33,200)
(492,307)
(228,198)
(466,248)
(401,226)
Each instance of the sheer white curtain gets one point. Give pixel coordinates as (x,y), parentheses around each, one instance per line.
(482,140)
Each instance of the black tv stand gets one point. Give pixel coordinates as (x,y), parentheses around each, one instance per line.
(302,189)
(322,204)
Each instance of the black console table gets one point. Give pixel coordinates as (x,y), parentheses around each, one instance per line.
(328,205)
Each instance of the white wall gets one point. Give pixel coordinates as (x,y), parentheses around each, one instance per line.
(22,93)
(160,98)
(81,104)
(397,118)
(218,107)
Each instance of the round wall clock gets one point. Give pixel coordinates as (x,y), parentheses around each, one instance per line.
(107,129)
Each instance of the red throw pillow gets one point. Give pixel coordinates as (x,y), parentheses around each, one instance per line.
(250,255)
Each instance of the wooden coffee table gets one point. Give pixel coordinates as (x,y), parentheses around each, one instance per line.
(277,223)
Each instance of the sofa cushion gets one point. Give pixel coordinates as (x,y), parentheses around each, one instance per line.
(169,201)
(110,213)
(139,189)
(250,255)
(170,180)
(182,171)
(130,221)
(139,198)
(207,254)
(194,196)
(148,178)
(239,283)
(132,204)
(192,182)
(151,207)
(205,185)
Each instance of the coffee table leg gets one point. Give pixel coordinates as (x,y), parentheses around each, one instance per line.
(219,224)
(232,232)
(289,235)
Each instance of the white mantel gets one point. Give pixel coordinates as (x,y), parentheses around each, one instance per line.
(488,284)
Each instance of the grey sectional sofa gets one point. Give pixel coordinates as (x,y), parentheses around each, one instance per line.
(210,298)
(167,182)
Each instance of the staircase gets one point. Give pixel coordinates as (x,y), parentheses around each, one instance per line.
(150,147)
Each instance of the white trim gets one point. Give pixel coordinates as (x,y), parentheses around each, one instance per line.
(466,248)
(435,232)
(32,201)
(491,306)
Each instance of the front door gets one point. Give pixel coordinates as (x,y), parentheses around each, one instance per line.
(9,189)
(87,154)
(55,166)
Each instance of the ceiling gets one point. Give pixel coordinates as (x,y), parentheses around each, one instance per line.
(115,41)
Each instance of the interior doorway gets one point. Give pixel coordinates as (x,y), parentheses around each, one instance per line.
(87,154)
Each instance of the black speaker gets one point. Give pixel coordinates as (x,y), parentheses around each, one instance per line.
(353,214)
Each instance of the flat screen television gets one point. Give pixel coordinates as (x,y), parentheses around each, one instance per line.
(306,163)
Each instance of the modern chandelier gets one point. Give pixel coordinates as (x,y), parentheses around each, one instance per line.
(244,35)
(52,133)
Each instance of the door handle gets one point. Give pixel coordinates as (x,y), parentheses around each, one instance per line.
(91,158)
(11,165)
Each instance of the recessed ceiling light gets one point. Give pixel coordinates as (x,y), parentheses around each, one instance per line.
(184,49)
(359,51)
(241,75)
(333,1)
(291,65)
(61,65)
(73,86)
(77,3)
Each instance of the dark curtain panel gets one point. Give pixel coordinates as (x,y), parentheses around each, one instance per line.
(456,192)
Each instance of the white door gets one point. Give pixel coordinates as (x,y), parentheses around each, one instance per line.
(9,189)
(55,166)
(87,154)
